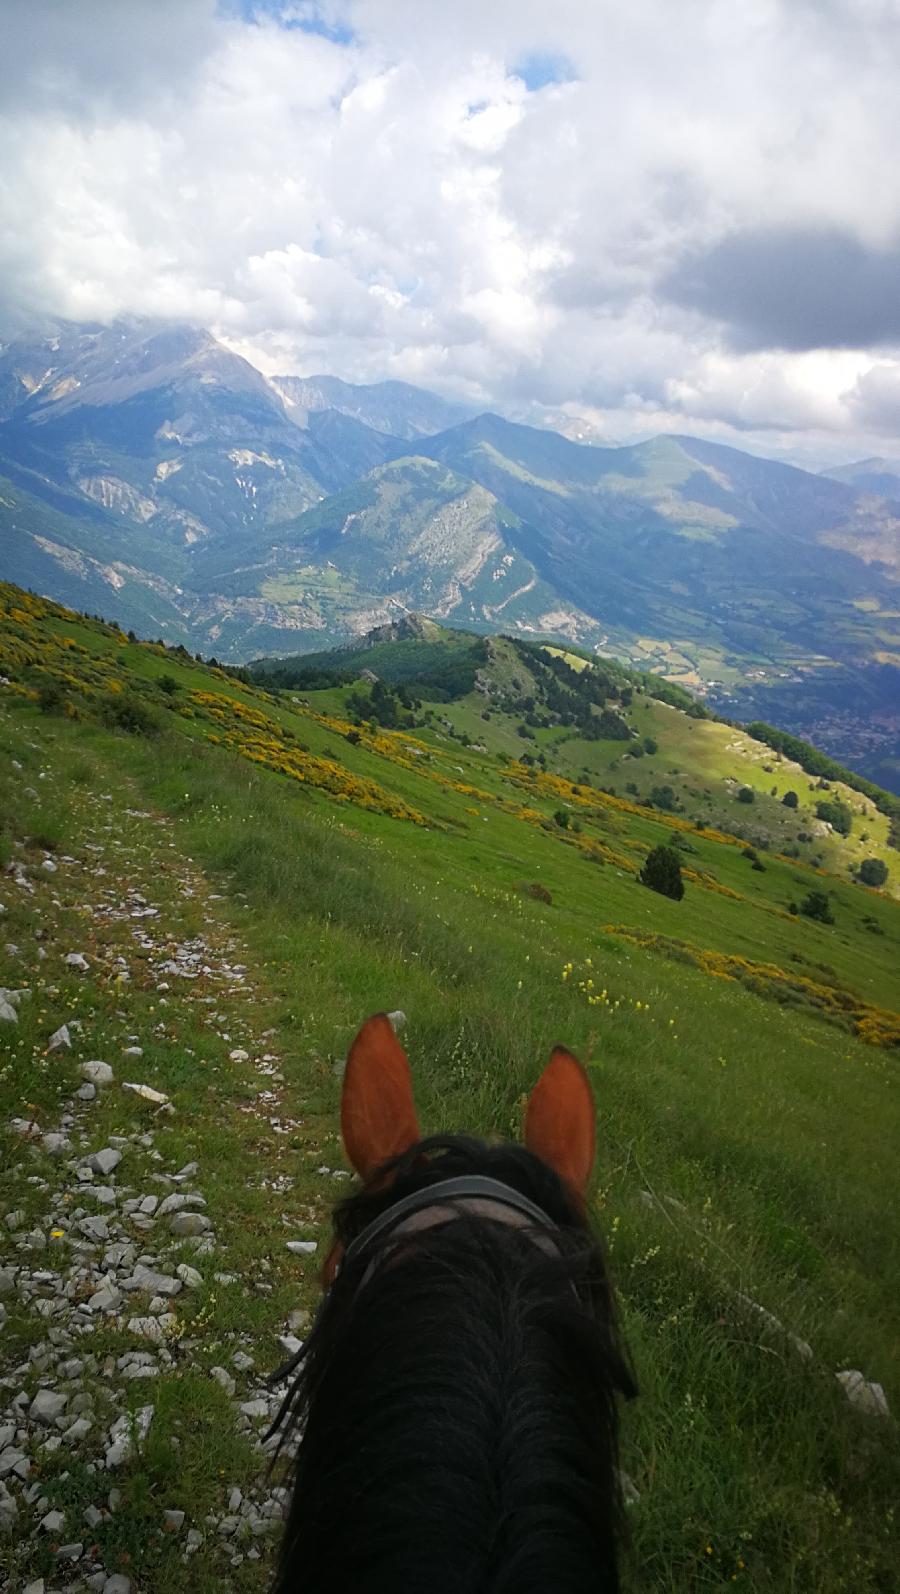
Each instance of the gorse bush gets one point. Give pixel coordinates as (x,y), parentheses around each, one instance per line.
(872,872)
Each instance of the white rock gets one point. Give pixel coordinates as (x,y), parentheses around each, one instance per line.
(53,1522)
(8,1014)
(224,1378)
(117,1584)
(104,1161)
(144,1278)
(55,1145)
(48,866)
(189,1223)
(107,1299)
(60,1039)
(190,1278)
(97,1072)
(77,960)
(47,1405)
(146,1092)
(239,1055)
(133,1051)
(175,1203)
(303,1247)
(863,1394)
(173,1521)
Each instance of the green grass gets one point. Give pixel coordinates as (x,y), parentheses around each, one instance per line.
(745,1147)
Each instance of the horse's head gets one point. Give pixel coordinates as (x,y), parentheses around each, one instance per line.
(456,1396)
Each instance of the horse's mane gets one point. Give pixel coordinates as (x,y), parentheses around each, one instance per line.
(457,1402)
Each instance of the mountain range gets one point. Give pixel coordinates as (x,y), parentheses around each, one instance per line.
(150,474)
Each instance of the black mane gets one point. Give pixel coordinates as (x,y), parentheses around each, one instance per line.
(458,1405)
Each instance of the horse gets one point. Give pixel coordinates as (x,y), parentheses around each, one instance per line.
(455,1411)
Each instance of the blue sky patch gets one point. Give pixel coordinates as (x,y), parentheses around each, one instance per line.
(536,71)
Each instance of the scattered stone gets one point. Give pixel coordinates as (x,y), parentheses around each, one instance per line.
(86,1092)
(95,1228)
(55,1145)
(60,1040)
(70,1552)
(242,1361)
(105,1161)
(53,1522)
(862,1394)
(153,1328)
(146,1092)
(193,1541)
(133,1051)
(144,1278)
(173,1521)
(189,1223)
(77,960)
(48,866)
(117,1584)
(239,1055)
(8,1014)
(255,1409)
(190,1278)
(303,1247)
(97,1072)
(175,1203)
(107,1299)
(224,1378)
(47,1406)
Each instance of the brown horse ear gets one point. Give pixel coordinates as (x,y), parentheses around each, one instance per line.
(378,1115)
(560,1120)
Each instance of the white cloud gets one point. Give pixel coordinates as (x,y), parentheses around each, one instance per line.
(400,204)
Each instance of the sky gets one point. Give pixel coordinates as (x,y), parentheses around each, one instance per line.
(665,215)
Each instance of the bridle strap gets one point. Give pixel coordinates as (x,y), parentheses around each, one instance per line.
(466,1185)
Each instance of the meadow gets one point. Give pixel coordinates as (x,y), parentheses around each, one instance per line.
(744,1062)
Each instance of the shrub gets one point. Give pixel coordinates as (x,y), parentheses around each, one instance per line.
(561,818)
(790,800)
(539,892)
(50,698)
(167,684)
(872,872)
(650,746)
(663,797)
(837,815)
(662,873)
(746,795)
(129,713)
(817,906)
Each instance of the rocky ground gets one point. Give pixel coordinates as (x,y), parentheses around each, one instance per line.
(139,1319)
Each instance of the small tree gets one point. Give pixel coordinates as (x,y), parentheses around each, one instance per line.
(790,800)
(746,795)
(662,873)
(650,745)
(872,872)
(837,815)
(817,906)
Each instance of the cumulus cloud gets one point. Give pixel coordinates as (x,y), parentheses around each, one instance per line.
(660,220)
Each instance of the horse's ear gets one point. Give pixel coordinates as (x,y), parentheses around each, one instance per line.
(378,1115)
(560,1120)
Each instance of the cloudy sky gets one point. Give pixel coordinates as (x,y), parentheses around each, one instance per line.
(663,215)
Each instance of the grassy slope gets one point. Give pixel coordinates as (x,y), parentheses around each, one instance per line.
(745,1146)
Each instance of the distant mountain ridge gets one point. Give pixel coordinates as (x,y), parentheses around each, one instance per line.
(150,473)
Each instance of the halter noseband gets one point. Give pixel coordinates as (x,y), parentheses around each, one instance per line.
(464,1187)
